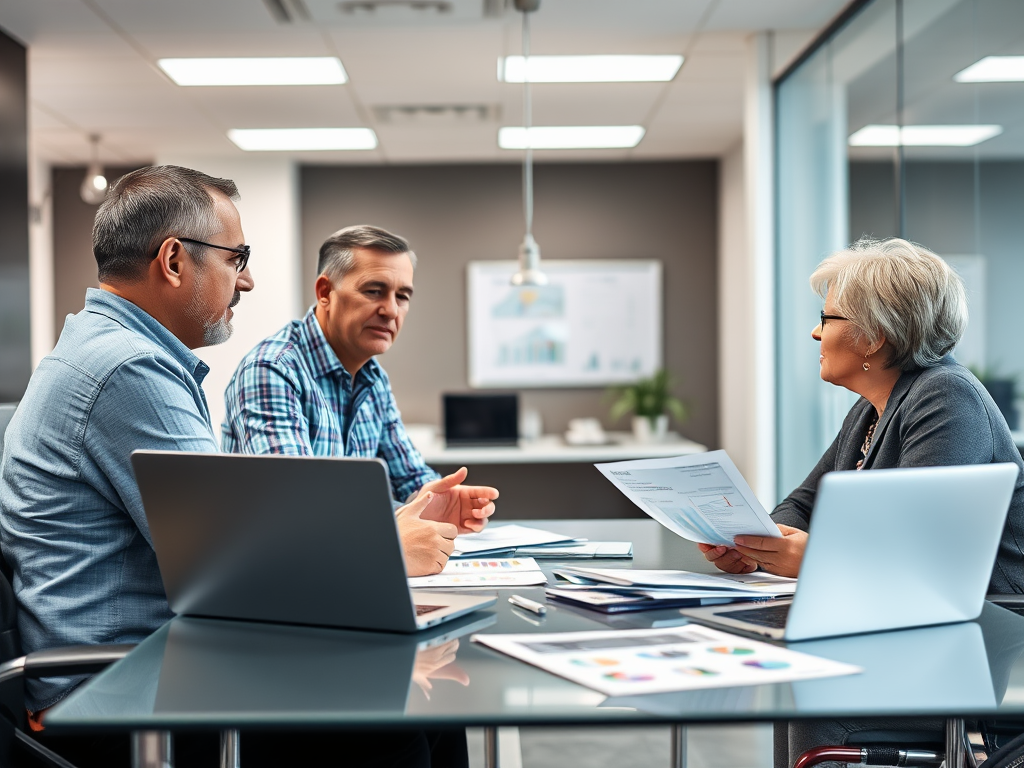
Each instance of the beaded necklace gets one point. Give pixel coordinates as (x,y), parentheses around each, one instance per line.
(868,437)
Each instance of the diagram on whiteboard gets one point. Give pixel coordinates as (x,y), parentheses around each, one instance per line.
(595,323)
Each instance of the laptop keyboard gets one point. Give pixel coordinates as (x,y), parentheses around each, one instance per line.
(772,616)
(422,609)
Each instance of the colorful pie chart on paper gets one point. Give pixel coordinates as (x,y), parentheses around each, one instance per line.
(595,661)
(696,671)
(766,664)
(628,677)
(731,650)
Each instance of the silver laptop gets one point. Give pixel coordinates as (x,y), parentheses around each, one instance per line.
(888,549)
(297,540)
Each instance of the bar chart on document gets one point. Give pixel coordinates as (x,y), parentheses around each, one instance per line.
(594,323)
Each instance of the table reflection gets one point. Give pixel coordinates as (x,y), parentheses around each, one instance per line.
(301,670)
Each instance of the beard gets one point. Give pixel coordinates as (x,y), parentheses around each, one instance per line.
(220,330)
(215,330)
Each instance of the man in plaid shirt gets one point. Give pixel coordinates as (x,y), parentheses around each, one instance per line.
(315,389)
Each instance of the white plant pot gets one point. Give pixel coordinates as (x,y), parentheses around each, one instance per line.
(647,432)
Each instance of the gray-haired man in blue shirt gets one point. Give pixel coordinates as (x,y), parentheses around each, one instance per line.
(172,262)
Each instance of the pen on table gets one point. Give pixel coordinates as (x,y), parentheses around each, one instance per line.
(529,605)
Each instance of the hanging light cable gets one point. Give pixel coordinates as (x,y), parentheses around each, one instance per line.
(529,252)
(94,185)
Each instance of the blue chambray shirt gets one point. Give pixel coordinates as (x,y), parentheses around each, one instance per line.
(291,395)
(71,520)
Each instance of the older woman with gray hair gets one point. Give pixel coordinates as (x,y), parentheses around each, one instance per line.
(893,312)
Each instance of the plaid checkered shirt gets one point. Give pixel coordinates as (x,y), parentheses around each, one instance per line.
(291,395)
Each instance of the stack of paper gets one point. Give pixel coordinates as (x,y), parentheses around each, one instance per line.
(619,589)
(523,541)
(580,550)
(498,539)
(502,572)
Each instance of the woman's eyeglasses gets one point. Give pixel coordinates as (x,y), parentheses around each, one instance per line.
(825,317)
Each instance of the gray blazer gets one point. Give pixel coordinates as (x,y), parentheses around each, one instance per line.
(938,416)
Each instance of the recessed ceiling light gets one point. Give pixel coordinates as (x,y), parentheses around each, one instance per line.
(590,69)
(295,139)
(923,135)
(993,69)
(268,71)
(571,137)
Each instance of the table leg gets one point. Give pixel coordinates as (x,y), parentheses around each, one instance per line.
(955,743)
(678,758)
(491,747)
(230,754)
(152,749)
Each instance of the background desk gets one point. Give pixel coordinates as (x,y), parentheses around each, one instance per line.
(207,674)
(550,479)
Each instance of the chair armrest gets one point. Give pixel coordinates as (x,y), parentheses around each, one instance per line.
(74,659)
(59,662)
(1013,601)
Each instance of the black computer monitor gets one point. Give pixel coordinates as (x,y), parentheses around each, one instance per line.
(481,419)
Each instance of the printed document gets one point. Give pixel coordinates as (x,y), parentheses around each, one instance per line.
(498,572)
(701,497)
(747,585)
(638,661)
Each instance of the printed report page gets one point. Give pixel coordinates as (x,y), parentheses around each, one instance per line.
(701,497)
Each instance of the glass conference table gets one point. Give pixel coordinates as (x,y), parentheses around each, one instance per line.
(207,674)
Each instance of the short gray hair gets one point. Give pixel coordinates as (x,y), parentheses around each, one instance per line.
(145,207)
(899,290)
(337,254)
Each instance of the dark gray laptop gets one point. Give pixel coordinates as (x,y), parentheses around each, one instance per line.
(298,540)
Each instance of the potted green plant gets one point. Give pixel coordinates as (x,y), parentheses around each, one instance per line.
(650,401)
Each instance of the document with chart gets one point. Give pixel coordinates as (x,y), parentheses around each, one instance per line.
(640,661)
(701,497)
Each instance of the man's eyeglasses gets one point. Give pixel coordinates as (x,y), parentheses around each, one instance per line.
(825,317)
(242,251)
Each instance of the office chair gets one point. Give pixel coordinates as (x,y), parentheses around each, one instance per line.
(1009,755)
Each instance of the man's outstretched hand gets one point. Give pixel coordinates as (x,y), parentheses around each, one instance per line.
(467,507)
(426,544)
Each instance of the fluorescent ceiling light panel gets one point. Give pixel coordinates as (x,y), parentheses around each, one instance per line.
(993,69)
(923,135)
(571,137)
(590,69)
(298,139)
(266,71)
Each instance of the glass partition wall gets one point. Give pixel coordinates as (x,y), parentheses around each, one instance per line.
(908,121)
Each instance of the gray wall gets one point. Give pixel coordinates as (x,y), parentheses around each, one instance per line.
(944,214)
(456,214)
(74,268)
(15,334)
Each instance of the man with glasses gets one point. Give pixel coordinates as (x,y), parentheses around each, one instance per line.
(169,248)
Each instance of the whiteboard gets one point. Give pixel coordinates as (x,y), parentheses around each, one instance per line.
(596,323)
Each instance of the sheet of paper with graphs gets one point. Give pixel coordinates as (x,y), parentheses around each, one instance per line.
(702,497)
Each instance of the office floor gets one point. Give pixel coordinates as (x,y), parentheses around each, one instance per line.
(740,746)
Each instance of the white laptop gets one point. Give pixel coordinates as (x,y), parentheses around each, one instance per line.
(296,540)
(888,549)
